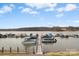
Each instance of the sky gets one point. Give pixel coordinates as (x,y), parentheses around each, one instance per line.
(16,15)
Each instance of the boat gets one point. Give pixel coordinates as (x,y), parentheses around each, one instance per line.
(29,40)
(48,39)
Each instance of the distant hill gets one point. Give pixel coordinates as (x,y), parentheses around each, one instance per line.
(70,28)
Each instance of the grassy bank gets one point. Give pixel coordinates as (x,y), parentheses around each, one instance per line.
(15,53)
(63,54)
(47,54)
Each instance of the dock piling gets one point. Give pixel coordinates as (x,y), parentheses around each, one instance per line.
(2,49)
(10,49)
(17,49)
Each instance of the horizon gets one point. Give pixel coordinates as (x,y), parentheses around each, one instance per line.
(17,15)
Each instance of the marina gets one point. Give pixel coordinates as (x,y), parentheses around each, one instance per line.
(34,44)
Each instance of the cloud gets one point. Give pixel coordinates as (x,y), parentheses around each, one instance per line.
(34,12)
(12,5)
(60,10)
(34,8)
(6,9)
(70,7)
(59,15)
(29,11)
(20,7)
(36,5)
(49,9)
(26,10)
(41,5)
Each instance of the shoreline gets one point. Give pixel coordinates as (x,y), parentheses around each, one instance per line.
(75,53)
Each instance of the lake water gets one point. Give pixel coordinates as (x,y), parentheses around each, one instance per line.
(62,44)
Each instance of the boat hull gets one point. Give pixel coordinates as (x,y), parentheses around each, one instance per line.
(49,41)
(29,43)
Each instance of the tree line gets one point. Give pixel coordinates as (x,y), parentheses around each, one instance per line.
(55,28)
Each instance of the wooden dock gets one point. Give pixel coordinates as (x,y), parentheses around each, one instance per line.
(39,46)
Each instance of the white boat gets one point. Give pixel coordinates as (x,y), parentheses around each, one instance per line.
(29,41)
(48,40)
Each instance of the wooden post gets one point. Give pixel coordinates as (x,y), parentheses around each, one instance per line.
(28,50)
(10,50)
(33,50)
(2,49)
(25,49)
(17,49)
